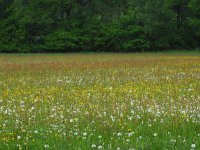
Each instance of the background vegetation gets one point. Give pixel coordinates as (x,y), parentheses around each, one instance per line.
(98,25)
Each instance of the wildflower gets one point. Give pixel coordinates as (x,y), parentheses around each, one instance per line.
(130,134)
(46,146)
(132,112)
(85,134)
(193,146)
(172,141)
(18,137)
(138,117)
(35,131)
(18,145)
(119,134)
(94,146)
(155,134)
(61,116)
(100,147)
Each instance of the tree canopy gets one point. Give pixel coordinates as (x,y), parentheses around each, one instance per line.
(98,25)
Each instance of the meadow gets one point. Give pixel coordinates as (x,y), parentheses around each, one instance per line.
(100,101)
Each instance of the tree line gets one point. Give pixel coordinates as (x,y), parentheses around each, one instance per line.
(98,25)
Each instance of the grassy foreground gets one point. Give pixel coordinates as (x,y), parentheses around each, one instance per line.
(100,101)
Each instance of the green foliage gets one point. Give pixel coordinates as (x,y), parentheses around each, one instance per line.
(61,40)
(127,35)
(74,25)
(194,21)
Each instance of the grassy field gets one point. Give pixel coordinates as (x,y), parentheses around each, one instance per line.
(100,101)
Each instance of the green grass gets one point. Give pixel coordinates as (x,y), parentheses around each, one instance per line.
(111,101)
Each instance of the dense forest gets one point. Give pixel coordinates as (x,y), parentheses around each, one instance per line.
(98,25)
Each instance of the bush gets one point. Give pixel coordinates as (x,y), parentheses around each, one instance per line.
(61,40)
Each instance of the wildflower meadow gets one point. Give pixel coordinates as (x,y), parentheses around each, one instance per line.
(100,101)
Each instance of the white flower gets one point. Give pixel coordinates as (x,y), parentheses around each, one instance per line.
(100,147)
(100,136)
(35,131)
(193,146)
(94,146)
(132,112)
(85,134)
(130,134)
(18,137)
(59,80)
(118,148)
(172,141)
(155,134)
(119,134)
(138,117)
(5,112)
(46,146)
(61,116)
